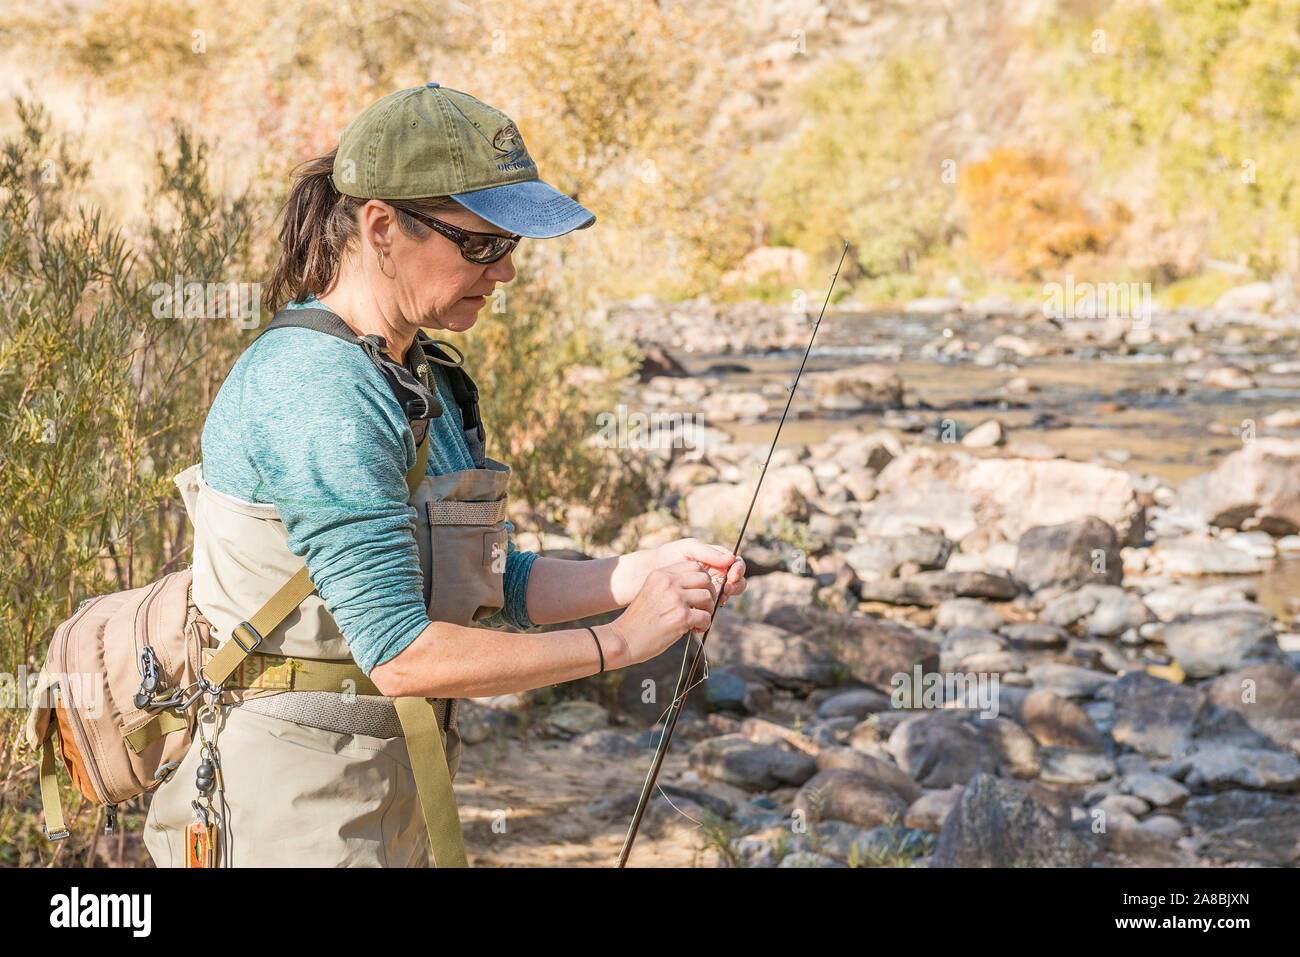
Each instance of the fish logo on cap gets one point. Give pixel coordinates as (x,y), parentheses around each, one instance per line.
(505,138)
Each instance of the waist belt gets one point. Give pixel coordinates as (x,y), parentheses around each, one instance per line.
(311,696)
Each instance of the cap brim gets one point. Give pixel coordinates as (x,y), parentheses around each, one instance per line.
(534,208)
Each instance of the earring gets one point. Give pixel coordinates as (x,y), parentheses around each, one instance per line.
(381,260)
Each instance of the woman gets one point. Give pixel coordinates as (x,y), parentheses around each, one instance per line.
(368,464)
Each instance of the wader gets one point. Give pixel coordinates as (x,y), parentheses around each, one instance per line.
(317,767)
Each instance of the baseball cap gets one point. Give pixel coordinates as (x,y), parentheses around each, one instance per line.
(435,141)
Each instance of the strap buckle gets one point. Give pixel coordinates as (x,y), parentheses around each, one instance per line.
(234,636)
(57,835)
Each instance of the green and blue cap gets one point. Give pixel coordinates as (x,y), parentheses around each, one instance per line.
(435,141)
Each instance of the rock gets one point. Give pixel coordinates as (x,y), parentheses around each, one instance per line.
(1068,681)
(1215,767)
(857,389)
(1150,713)
(967,612)
(1018,494)
(1267,696)
(1003,663)
(868,453)
(883,772)
(1247,825)
(996,825)
(961,642)
(860,485)
(478,723)
(926,504)
(1051,719)
(1128,804)
(1228,377)
(1168,827)
(1251,297)
(985,435)
(938,749)
(717,803)
(808,859)
(717,503)
(765,593)
(730,406)
(881,556)
(1157,790)
(725,690)
(604,743)
(736,760)
(1071,554)
(1116,614)
(838,794)
(1207,645)
(1261,480)
(872,649)
(927,813)
(1282,419)
(933,587)
(800,476)
(1034,636)
(778,656)
(1060,766)
(1017,752)
(857,704)
(1064,610)
(656,361)
(578,717)
(1202,555)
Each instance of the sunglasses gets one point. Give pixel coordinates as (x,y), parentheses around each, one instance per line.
(479,248)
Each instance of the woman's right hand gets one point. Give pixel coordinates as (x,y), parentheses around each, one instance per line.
(674,599)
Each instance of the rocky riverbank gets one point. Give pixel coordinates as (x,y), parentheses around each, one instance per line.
(960,647)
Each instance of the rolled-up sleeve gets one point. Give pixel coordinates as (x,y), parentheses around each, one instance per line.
(519,565)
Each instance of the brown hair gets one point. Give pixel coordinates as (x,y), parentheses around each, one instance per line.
(320,224)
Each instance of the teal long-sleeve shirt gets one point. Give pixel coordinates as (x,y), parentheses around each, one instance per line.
(304,421)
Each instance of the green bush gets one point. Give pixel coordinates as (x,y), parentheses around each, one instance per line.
(100,401)
(866,165)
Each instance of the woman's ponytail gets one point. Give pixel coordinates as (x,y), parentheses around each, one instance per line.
(318,224)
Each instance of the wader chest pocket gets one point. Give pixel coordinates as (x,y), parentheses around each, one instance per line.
(468,550)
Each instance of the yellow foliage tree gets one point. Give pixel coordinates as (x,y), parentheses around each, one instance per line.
(1024,214)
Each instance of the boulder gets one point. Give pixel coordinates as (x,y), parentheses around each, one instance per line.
(871,648)
(1208,645)
(794,660)
(1072,554)
(1260,481)
(1267,696)
(735,760)
(997,825)
(857,389)
(838,794)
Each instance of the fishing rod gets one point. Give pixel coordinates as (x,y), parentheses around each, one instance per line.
(684,686)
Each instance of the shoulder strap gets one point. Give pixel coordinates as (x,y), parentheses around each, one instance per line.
(462,386)
(416,400)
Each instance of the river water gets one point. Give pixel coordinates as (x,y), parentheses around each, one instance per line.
(1093,403)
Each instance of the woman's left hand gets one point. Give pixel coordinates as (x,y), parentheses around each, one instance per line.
(722,565)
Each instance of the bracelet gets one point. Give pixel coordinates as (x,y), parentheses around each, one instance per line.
(598,648)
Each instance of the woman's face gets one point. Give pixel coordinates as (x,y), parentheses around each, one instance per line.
(436,287)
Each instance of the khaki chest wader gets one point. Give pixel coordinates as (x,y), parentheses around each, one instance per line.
(318,768)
